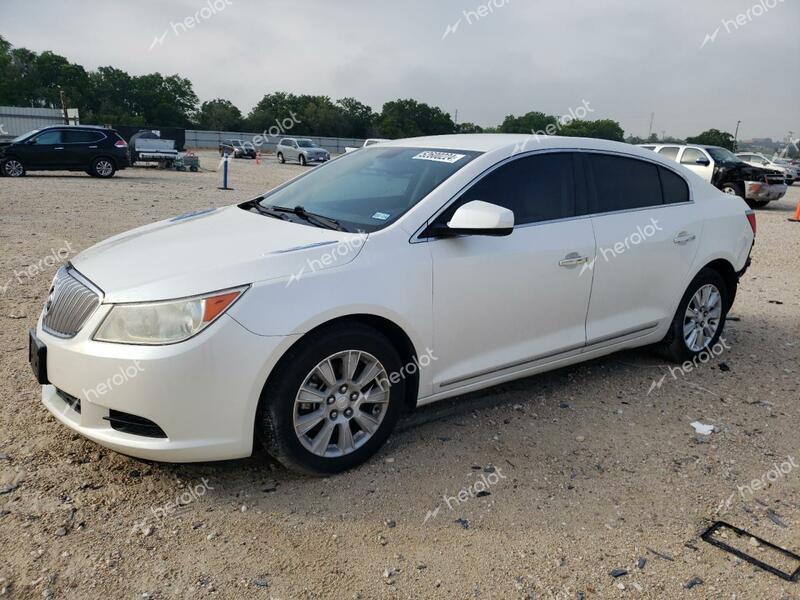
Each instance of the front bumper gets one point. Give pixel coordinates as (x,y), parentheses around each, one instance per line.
(203,393)
(764,191)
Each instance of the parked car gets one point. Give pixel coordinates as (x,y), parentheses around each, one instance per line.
(99,151)
(307,319)
(726,171)
(367,142)
(302,150)
(790,172)
(237,149)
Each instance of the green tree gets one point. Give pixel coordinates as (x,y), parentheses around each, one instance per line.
(532,122)
(360,118)
(219,115)
(604,129)
(409,118)
(713,137)
(469,128)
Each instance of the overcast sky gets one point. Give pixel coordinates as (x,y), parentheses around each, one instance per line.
(625,58)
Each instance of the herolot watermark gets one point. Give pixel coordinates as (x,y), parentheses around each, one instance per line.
(634,239)
(334,252)
(573,114)
(124,375)
(474,490)
(473,16)
(748,490)
(416,365)
(56,256)
(742,19)
(211,8)
(703,357)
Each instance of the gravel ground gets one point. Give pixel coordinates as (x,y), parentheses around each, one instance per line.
(582,471)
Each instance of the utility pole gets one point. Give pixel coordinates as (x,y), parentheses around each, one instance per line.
(736,136)
(650,131)
(63,105)
(456,120)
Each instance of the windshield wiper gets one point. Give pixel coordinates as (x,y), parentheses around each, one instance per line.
(320,220)
(268,210)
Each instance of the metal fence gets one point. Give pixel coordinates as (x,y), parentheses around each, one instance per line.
(265,143)
(16,120)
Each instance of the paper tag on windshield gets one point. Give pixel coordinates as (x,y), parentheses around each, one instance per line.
(445,157)
(381,216)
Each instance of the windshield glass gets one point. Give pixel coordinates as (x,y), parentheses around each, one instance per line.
(305,143)
(19,138)
(368,190)
(721,155)
(237,142)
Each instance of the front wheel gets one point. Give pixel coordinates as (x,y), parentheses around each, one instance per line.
(700,318)
(12,167)
(733,189)
(103,168)
(280,158)
(303,160)
(332,401)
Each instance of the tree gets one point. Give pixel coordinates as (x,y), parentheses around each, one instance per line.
(409,118)
(604,129)
(532,122)
(359,117)
(469,128)
(219,115)
(713,137)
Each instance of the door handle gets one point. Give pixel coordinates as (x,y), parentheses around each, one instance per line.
(92,146)
(684,238)
(59,148)
(572,259)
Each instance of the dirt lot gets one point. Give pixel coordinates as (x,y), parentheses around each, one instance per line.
(587,468)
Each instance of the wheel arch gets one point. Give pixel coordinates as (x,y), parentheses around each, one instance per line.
(728,274)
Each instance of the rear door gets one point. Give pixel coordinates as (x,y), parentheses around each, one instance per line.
(647,231)
(503,303)
(81,147)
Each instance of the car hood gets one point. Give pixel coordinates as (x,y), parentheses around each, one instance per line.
(210,250)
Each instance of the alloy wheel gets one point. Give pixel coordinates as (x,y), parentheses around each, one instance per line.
(13,168)
(104,168)
(702,317)
(341,403)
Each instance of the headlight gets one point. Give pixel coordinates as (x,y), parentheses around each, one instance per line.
(167,322)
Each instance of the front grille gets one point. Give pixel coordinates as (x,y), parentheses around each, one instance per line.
(71,401)
(127,423)
(71,302)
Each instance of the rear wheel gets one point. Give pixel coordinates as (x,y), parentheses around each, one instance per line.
(303,160)
(700,318)
(329,405)
(280,158)
(13,167)
(103,168)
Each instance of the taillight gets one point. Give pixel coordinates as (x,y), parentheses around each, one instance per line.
(121,144)
(751,218)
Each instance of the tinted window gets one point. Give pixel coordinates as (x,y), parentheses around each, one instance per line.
(691,156)
(670,152)
(49,137)
(536,188)
(673,186)
(624,183)
(81,137)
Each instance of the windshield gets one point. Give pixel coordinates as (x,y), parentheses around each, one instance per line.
(19,138)
(305,143)
(237,142)
(367,190)
(721,155)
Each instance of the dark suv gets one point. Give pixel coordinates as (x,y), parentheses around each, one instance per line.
(237,149)
(97,150)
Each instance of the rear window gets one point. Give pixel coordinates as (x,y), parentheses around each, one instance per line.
(670,152)
(81,137)
(624,183)
(673,186)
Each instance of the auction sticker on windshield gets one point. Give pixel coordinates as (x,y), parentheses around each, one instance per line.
(446,157)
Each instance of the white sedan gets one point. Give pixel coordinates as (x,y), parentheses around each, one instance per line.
(308,319)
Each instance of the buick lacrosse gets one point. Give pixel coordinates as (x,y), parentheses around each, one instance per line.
(308,319)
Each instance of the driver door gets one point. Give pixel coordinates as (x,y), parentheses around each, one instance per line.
(501,304)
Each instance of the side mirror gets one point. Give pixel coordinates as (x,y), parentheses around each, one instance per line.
(702,161)
(479,218)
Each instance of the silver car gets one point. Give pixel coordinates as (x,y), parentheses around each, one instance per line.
(302,150)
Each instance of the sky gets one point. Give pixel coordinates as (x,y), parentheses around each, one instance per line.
(696,65)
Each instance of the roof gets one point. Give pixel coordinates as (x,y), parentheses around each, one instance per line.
(65,126)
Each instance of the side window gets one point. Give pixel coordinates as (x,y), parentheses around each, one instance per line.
(673,186)
(49,138)
(623,183)
(537,188)
(691,156)
(670,152)
(81,137)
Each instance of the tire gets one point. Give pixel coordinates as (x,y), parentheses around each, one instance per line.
(280,158)
(733,189)
(675,346)
(13,167)
(302,160)
(104,168)
(279,411)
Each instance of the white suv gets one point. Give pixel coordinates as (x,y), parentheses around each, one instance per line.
(308,319)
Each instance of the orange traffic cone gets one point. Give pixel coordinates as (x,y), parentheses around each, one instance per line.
(796,217)
(258,158)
